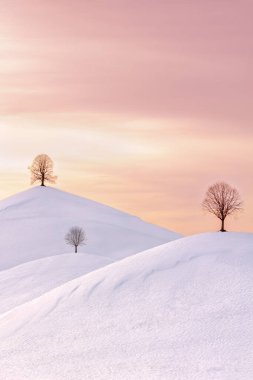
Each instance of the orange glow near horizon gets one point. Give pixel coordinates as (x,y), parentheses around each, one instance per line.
(141,105)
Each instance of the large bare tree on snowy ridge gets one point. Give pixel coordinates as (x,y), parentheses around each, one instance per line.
(75,237)
(222,200)
(42,170)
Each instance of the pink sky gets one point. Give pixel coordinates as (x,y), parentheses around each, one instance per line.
(141,104)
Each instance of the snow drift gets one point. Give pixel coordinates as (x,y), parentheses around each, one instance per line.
(179,311)
(33,225)
(30,280)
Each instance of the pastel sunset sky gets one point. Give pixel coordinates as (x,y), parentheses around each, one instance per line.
(141,104)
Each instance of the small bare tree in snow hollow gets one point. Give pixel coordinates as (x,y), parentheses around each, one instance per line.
(42,170)
(75,237)
(222,200)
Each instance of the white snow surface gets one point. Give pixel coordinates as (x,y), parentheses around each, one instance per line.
(33,225)
(30,280)
(180,311)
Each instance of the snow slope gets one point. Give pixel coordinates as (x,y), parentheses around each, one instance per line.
(30,280)
(181,311)
(33,225)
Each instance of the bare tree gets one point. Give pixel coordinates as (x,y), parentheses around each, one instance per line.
(42,170)
(75,237)
(222,200)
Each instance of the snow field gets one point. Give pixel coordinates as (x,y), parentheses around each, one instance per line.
(182,310)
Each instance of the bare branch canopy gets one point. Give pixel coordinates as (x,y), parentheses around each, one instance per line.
(42,170)
(222,200)
(75,237)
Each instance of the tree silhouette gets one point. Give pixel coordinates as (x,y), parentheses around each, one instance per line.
(75,237)
(42,170)
(222,200)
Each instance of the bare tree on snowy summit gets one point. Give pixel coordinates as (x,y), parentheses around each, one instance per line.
(222,200)
(42,170)
(75,237)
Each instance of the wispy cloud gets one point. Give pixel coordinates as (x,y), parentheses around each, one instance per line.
(141,104)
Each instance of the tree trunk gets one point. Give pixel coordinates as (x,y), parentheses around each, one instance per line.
(42,180)
(75,248)
(222,225)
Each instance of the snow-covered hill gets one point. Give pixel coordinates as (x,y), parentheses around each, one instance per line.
(30,280)
(33,225)
(180,311)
